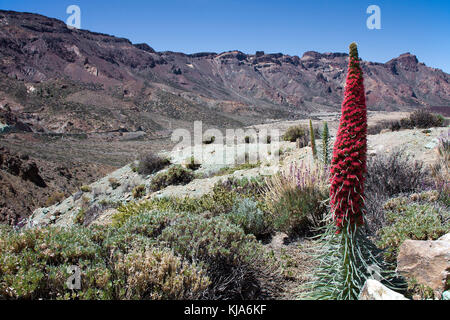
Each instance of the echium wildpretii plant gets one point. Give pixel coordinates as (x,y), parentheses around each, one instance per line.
(347,257)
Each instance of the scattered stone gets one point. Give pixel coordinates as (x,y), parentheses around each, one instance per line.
(446,295)
(374,290)
(430,145)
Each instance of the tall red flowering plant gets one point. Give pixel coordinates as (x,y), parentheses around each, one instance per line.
(348,165)
(347,257)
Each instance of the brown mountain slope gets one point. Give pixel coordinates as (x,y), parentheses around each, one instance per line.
(54,79)
(27,183)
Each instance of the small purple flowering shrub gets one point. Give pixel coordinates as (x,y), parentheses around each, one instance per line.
(296,198)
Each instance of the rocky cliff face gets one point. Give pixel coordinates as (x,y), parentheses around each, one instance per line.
(57,79)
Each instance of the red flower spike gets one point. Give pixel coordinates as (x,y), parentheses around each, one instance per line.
(350,148)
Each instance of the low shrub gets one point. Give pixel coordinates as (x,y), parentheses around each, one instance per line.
(246,214)
(406,219)
(425,119)
(389,175)
(35,265)
(54,198)
(299,211)
(114,183)
(296,199)
(176,175)
(125,211)
(35,262)
(151,163)
(139,191)
(297,132)
(234,261)
(394,173)
(406,123)
(376,128)
(85,202)
(157,274)
(392,125)
(253,187)
(79,218)
(86,189)
(416,289)
(421,118)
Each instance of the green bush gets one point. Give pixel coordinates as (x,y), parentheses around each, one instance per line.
(125,211)
(139,231)
(247,187)
(34,265)
(296,132)
(246,214)
(409,220)
(157,274)
(299,211)
(151,255)
(234,261)
(81,215)
(86,189)
(138,191)
(176,175)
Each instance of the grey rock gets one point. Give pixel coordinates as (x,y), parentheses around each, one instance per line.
(446,295)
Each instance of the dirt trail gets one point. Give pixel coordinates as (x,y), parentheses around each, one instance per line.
(298,261)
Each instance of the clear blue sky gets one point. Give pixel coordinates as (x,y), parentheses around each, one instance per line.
(288,26)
